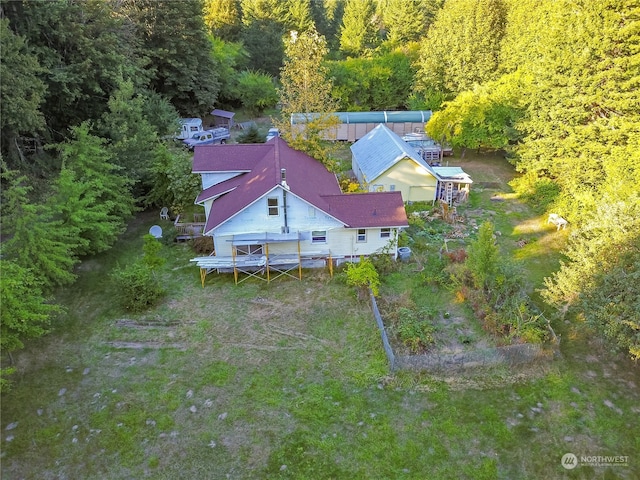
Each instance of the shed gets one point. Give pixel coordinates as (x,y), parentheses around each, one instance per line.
(222,118)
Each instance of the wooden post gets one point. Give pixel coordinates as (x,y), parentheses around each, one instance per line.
(235,270)
(203,274)
(330,265)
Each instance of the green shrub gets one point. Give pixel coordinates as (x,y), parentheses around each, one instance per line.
(363,275)
(413,330)
(138,287)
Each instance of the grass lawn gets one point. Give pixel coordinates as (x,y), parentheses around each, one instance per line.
(289,380)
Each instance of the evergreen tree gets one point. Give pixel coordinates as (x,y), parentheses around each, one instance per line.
(483,257)
(222,17)
(327,17)
(25,312)
(263,41)
(85,50)
(583,104)
(173,37)
(22,93)
(37,241)
(92,198)
(405,21)
(298,15)
(462,46)
(132,139)
(251,136)
(359,30)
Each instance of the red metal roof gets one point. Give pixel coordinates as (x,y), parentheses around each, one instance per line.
(368,210)
(306,178)
(228,158)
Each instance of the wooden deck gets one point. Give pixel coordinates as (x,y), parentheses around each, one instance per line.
(264,267)
(189,230)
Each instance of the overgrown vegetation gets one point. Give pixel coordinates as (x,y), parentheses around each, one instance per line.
(138,284)
(496,290)
(364,276)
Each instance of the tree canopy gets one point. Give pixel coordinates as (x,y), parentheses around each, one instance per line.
(554,83)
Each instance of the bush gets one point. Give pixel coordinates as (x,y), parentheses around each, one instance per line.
(137,286)
(363,275)
(413,331)
(252,135)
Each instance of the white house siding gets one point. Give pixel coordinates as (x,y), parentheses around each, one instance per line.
(301,217)
(210,179)
(343,242)
(412,180)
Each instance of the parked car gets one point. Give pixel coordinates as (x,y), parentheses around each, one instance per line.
(273,132)
(208,137)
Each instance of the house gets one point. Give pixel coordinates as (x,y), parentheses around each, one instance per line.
(271,208)
(383,162)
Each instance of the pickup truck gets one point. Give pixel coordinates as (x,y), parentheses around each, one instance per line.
(207,137)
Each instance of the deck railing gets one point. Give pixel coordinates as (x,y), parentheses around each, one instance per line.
(189,230)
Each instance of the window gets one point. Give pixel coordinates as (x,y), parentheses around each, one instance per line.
(392,188)
(272,206)
(378,188)
(385,232)
(193,128)
(248,249)
(319,236)
(361,235)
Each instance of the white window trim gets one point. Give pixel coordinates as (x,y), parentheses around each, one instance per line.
(358,235)
(385,233)
(317,238)
(276,207)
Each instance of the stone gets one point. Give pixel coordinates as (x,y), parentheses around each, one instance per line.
(62,391)
(11,426)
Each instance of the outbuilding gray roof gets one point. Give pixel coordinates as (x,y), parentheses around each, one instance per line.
(381,149)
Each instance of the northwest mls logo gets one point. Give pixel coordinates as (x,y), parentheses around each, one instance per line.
(569,461)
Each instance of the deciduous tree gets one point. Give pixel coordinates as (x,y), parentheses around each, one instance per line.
(306,90)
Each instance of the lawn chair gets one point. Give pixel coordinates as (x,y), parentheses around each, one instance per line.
(164,213)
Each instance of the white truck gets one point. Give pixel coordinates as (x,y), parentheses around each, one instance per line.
(189,127)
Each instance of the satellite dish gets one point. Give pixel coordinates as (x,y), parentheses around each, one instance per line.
(156,231)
